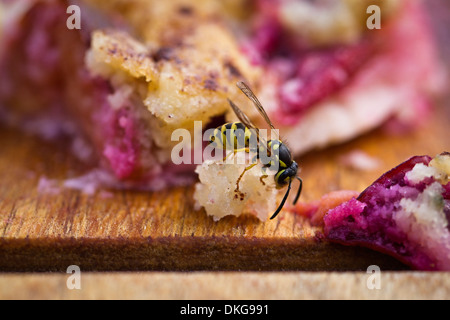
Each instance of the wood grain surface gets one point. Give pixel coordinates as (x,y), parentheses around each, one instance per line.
(126,230)
(227,286)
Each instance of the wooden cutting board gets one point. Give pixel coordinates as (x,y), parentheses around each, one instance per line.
(126,230)
(227,286)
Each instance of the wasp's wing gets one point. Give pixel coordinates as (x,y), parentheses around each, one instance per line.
(242,116)
(246,121)
(249,93)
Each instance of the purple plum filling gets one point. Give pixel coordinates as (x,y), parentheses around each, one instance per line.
(400,215)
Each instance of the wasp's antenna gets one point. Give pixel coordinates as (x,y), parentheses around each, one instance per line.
(299,190)
(282,202)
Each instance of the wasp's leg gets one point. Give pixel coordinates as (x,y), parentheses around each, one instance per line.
(236,151)
(242,175)
(264,176)
(247,150)
(226,157)
(262,179)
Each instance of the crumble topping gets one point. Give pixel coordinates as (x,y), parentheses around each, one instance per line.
(442,164)
(424,221)
(439,169)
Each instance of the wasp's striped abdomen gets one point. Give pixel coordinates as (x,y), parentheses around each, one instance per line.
(231,136)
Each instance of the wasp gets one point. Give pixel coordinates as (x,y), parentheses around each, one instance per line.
(238,135)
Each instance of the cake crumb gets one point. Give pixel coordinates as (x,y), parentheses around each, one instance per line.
(219,194)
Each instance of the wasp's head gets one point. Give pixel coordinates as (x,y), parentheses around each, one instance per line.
(285,175)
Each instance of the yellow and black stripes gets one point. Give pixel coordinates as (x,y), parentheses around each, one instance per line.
(232,136)
(277,151)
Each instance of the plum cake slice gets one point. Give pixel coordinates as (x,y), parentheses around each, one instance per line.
(404,213)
